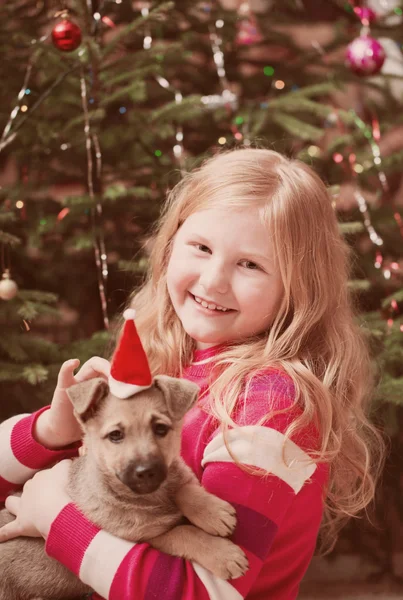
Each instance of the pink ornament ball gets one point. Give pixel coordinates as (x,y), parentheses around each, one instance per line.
(365,55)
(248,32)
(365,14)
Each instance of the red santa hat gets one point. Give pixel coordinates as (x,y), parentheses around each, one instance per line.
(130,372)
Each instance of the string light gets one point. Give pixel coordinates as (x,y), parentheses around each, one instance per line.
(373,136)
(19,204)
(378,260)
(108,21)
(314,151)
(279,84)
(6,137)
(92,145)
(148,40)
(63,213)
(227,98)
(178,148)
(363,207)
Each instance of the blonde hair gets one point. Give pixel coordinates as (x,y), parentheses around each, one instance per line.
(313,337)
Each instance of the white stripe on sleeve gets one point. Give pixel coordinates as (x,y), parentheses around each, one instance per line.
(10,467)
(266,449)
(101,560)
(217,589)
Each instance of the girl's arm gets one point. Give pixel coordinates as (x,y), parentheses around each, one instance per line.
(29,443)
(22,455)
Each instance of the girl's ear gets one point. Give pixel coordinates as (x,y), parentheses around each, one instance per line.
(180,394)
(87,397)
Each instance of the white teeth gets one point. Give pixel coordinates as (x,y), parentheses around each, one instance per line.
(210,306)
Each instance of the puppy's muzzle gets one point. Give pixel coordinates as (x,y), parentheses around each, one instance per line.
(144,476)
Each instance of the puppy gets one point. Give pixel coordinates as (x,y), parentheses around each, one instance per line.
(132,483)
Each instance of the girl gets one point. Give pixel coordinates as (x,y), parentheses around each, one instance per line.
(246,296)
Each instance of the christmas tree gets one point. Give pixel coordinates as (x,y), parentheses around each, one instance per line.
(108,102)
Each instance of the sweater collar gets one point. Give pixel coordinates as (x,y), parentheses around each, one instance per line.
(201,361)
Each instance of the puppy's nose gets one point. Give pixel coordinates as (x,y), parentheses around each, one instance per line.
(144,477)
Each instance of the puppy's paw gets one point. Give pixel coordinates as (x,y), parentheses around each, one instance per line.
(226,560)
(218,517)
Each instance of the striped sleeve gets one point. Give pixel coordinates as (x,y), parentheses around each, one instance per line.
(261,502)
(119,570)
(21,456)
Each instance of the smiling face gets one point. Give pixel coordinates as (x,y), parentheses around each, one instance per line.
(222,276)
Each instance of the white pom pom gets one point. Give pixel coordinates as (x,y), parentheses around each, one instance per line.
(129,313)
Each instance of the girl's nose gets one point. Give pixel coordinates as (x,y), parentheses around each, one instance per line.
(214,279)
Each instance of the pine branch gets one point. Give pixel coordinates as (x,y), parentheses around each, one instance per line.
(38,296)
(7,217)
(7,238)
(154,14)
(296,127)
(35,106)
(351,228)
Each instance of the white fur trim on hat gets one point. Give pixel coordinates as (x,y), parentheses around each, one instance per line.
(129,313)
(123,390)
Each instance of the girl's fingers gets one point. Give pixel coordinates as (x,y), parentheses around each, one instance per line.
(9,531)
(94,367)
(12,504)
(66,374)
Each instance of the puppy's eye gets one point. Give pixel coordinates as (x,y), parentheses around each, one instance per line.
(160,429)
(116,436)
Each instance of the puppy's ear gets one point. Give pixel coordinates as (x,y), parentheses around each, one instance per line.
(87,397)
(180,394)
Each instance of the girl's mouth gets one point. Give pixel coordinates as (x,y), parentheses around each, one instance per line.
(210,307)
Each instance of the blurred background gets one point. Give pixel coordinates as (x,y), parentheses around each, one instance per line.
(104,103)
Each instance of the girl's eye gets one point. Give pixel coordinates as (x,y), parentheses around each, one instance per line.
(116,436)
(203,248)
(250,265)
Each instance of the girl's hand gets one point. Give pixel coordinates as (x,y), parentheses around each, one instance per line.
(58,427)
(43,497)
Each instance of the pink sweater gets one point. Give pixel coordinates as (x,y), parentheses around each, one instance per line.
(278,515)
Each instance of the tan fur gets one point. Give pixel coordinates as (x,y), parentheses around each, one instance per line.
(105,485)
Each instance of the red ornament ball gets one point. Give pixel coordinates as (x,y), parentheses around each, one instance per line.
(365,55)
(66,36)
